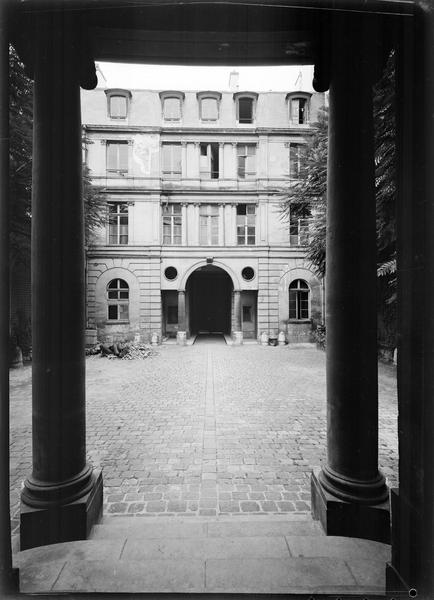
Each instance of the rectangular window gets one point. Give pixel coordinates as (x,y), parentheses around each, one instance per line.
(172,224)
(118,107)
(117,157)
(245,110)
(298,232)
(209,161)
(171,161)
(246,224)
(172,109)
(209,225)
(299,111)
(209,109)
(172,315)
(118,223)
(246,157)
(298,304)
(296,152)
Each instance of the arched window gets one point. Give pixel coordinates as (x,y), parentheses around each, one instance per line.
(209,104)
(299,300)
(118,103)
(246,106)
(118,294)
(172,105)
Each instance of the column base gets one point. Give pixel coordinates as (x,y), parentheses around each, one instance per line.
(62,522)
(349,519)
(237,338)
(181,338)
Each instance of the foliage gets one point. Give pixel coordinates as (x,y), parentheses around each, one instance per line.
(20,159)
(95,207)
(306,197)
(21,132)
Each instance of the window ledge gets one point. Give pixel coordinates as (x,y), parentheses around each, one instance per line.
(300,321)
(117,321)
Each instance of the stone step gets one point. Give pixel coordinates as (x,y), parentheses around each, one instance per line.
(243,564)
(236,575)
(142,527)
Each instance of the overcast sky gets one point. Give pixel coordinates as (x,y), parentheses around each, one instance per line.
(160,77)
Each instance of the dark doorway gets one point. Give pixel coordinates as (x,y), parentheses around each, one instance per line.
(209,292)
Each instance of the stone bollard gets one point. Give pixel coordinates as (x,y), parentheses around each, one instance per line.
(181,338)
(237,338)
(281,338)
(264,338)
(154,339)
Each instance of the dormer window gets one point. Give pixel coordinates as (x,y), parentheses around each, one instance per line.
(171,103)
(209,105)
(118,103)
(298,106)
(246,106)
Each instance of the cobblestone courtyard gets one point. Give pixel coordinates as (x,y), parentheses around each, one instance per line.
(204,429)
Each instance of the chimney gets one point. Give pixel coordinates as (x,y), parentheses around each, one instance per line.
(234,81)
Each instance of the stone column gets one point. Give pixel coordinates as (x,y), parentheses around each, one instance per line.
(222,224)
(184,166)
(411,572)
(184,234)
(221,160)
(181,335)
(62,498)
(238,334)
(7,581)
(349,494)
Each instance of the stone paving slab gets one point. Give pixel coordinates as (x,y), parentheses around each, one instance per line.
(269,575)
(132,576)
(41,577)
(204,430)
(252,547)
(339,547)
(142,529)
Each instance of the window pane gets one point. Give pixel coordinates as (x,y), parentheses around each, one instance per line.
(112,311)
(251,240)
(245,110)
(241,209)
(172,108)
(123,311)
(209,109)
(123,295)
(251,209)
(113,295)
(112,156)
(118,106)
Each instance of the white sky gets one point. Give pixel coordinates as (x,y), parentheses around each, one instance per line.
(163,77)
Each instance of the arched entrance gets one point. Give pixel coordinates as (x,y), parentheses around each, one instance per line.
(209,300)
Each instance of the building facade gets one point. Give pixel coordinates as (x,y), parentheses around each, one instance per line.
(195,241)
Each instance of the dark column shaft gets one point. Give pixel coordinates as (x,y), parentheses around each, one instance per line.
(59,461)
(413,503)
(181,311)
(237,310)
(5,524)
(352,406)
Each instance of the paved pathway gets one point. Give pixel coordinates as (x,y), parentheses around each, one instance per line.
(204,429)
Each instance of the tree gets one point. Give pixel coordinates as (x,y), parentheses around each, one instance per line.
(20,186)
(308,196)
(20,159)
